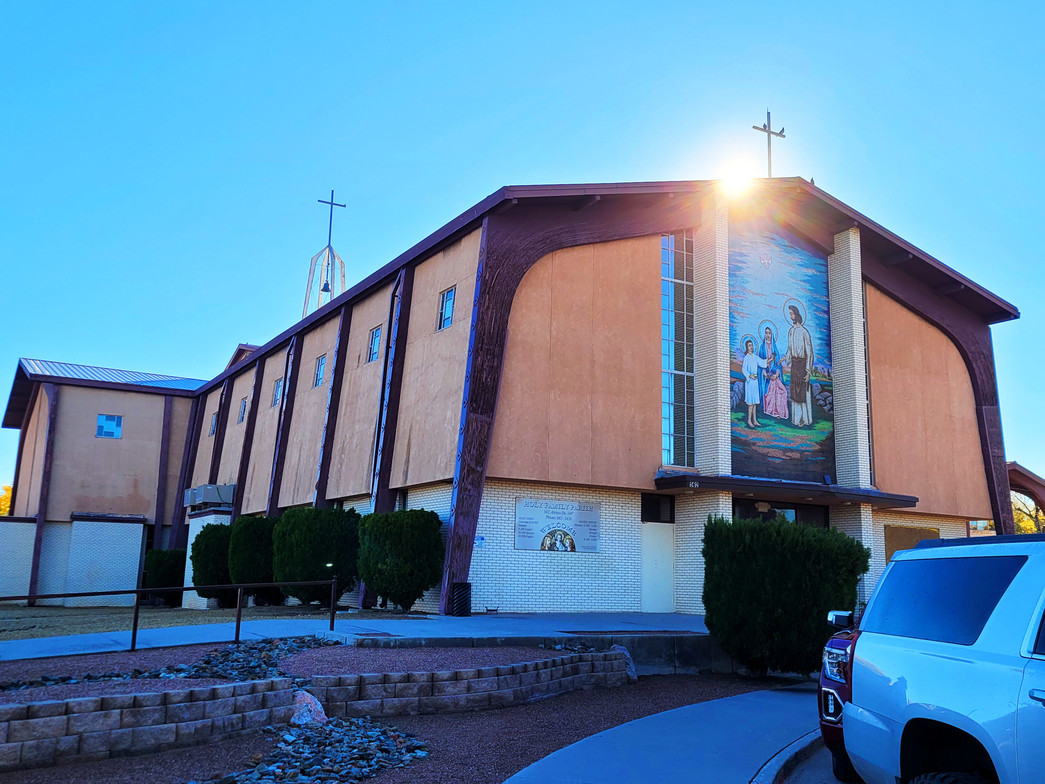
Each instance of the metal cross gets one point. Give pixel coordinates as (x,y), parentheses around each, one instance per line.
(333,204)
(767,129)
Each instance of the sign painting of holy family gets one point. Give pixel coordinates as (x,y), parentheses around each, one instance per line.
(782,421)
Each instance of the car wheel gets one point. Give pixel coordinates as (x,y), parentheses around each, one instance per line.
(949,778)
(843,769)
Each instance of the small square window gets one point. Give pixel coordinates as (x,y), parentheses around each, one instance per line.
(374,346)
(242,411)
(213,423)
(277,391)
(446,309)
(321,364)
(109,426)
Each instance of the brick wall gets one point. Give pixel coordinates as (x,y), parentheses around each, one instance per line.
(16,542)
(103,557)
(691,515)
(534,581)
(193,600)
(435,498)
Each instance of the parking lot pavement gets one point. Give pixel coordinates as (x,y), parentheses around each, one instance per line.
(815,770)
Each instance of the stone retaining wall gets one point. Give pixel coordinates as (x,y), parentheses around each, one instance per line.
(57,731)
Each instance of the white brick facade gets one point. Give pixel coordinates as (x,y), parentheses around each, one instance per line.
(103,556)
(950,528)
(848,361)
(435,498)
(711,339)
(16,542)
(691,516)
(191,599)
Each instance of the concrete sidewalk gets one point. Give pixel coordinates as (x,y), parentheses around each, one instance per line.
(725,741)
(447,629)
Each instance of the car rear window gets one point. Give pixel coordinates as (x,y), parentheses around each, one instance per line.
(943,599)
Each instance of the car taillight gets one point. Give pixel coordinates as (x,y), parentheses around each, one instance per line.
(836,662)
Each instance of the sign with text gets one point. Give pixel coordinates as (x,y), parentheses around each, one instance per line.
(557,526)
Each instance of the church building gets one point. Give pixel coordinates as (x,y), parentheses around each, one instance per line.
(574,377)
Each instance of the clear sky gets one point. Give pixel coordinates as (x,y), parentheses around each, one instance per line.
(160,162)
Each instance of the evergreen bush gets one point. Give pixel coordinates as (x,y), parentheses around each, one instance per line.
(768,587)
(401,554)
(210,563)
(250,557)
(165,569)
(305,540)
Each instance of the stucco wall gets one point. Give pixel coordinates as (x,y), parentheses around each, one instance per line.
(925,438)
(32,459)
(109,475)
(434,367)
(181,412)
(228,466)
(266,425)
(580,391)
(306,425)
(205,449)
(352,459)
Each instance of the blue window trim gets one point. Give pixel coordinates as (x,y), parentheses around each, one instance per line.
(373,351)
(446,308)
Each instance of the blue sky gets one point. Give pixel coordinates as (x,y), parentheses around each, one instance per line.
(160,162)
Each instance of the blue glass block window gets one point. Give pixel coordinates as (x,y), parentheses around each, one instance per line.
(277,391)
(446,308)
(321,364)
(374,346)
(109,426)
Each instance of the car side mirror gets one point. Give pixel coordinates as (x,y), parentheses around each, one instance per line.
(840,619)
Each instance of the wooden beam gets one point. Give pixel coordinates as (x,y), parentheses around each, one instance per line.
(179,530)
(161,471)
(337,375)
(224,402)
(587,201)
(248,440)
(897,259)
(286,415)
(51,390)
(35,390)
(388,414)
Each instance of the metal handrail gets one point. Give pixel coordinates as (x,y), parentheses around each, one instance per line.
(139,592)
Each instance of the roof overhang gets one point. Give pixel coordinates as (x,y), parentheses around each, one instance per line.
(1025,481)
(783,490)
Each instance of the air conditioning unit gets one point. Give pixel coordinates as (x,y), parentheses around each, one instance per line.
(210,495)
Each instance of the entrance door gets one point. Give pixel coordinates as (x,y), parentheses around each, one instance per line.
(658,567)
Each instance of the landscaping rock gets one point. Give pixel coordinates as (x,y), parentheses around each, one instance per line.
(307,710)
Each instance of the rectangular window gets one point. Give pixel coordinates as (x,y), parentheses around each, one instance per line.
(658,508)
(277,391)
(213,423)
(374,346)
(321,363)
(446,308)
(942,599)
(109,426)
(242,411)
(677,412)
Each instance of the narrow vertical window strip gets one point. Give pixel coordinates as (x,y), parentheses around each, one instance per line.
(678,436)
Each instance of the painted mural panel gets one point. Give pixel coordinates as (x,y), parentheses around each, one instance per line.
(782,421)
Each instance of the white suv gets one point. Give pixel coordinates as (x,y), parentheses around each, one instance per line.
(948,667)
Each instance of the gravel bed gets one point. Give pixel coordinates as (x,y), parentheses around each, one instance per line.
(122,661)
(485,747)
(347,659)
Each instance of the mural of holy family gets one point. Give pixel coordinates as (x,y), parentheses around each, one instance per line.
(781,384)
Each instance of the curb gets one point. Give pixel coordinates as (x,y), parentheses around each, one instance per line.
(778,769)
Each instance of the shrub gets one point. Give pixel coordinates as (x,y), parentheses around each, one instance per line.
(250,557)
(165,569)
(210,563)
(401,554)
(768,587)
(305,540)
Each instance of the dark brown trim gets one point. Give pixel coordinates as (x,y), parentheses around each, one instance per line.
(972,337)
(161,471)
(512,243)
(286,414)
(179,529)
(780,490)
(102,517)
(21,445)
(337,375)
(388,413)
(256,392)
(224,402)
(52,392)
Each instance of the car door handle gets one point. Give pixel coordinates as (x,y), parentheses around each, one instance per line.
(1037,695)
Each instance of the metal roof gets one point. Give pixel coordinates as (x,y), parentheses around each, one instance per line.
(67,370)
